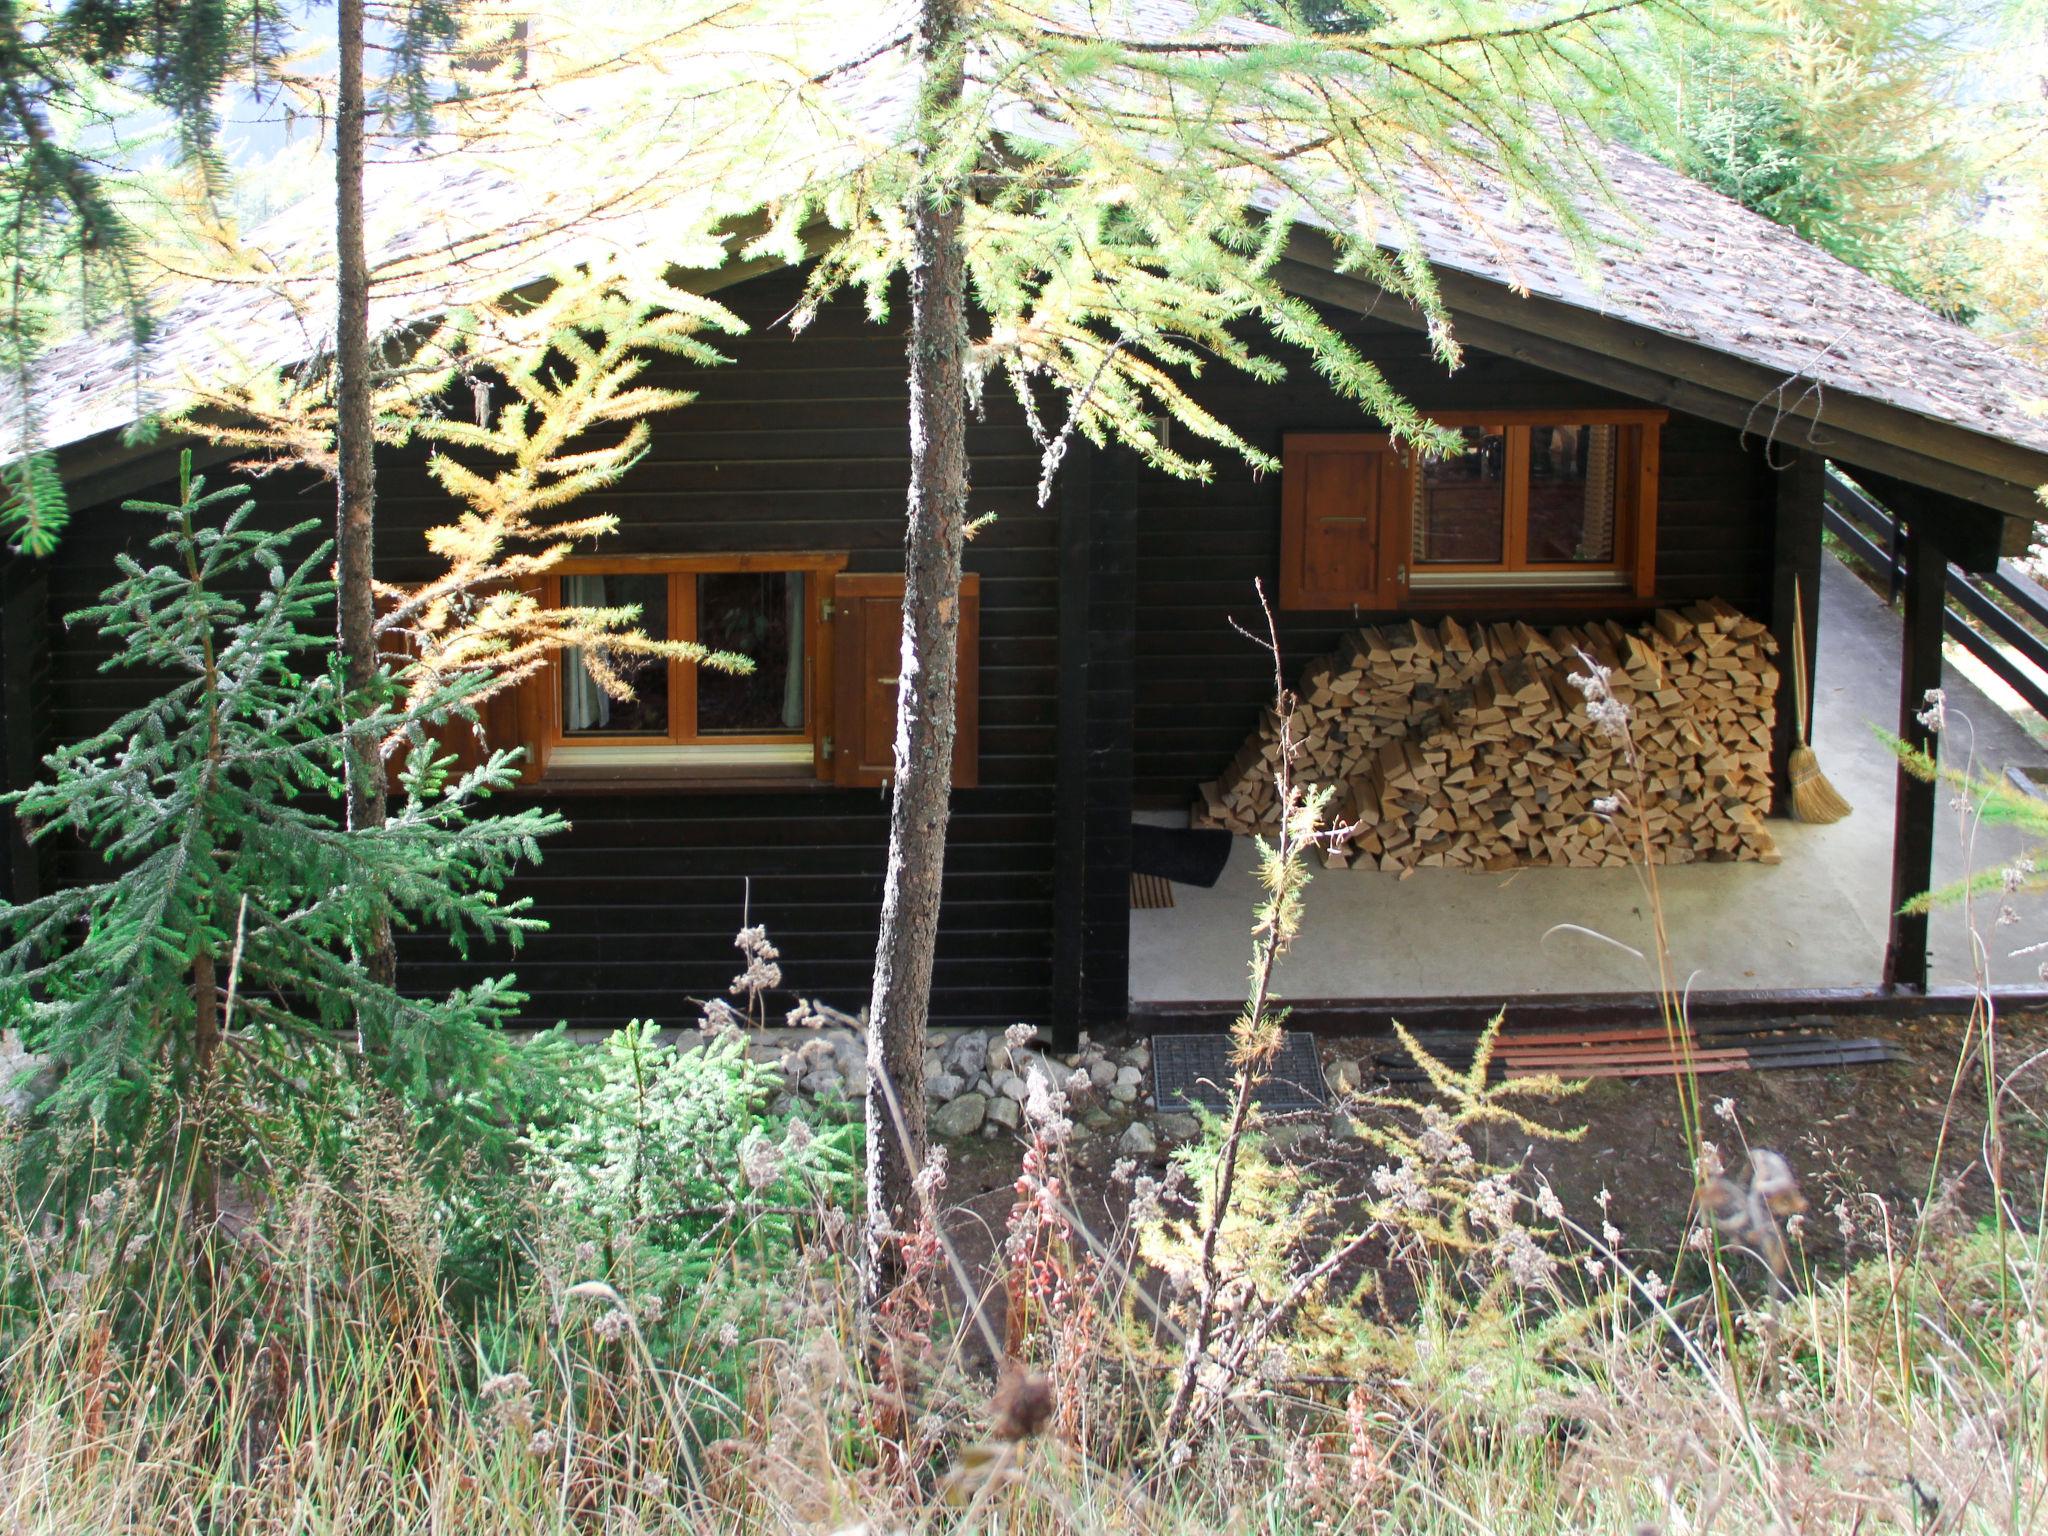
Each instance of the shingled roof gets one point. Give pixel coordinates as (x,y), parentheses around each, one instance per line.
(1758,317)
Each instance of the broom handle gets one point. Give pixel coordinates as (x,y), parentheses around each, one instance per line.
(1798,662)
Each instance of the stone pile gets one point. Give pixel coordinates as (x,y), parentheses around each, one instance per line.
(975,1080)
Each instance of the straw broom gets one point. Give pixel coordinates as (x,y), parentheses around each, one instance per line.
(1814,799)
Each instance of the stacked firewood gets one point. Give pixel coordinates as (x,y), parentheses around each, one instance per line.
(1471,747)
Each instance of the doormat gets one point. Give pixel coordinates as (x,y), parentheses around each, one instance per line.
(1191,1070)
(1150,893)
(1186,855)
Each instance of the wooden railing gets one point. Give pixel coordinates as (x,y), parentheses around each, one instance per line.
(1991,617)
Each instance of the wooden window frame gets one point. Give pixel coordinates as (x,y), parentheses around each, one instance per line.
(1631,574)
(1634,566)
(684,749)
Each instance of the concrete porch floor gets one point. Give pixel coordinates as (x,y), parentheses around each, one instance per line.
(1816,920)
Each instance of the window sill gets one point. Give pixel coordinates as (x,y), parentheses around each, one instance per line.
(624,770)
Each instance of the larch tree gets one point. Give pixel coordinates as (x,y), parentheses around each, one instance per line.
(76,80)
(472,300)
(1863,125)
(1090,206)
(355,479)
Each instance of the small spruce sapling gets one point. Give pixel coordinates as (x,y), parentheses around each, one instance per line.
(217,969)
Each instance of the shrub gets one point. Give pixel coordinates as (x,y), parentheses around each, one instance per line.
(675,1158)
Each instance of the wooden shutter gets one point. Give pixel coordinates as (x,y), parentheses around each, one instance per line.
(866,652)
(1343,521)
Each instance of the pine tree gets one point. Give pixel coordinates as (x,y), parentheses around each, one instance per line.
(217,967)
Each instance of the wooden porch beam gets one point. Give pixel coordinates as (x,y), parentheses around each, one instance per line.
(1926,594)
(1070,751)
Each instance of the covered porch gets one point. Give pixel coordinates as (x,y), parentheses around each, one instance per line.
(1816,921)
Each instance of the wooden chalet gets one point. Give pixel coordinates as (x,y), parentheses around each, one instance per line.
(1646,431)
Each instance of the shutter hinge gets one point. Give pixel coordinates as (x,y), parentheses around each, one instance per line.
(828,611)
(825,747)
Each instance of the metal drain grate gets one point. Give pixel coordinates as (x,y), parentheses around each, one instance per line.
(1188,1070)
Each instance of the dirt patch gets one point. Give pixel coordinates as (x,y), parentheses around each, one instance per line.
(1897,1130)
(1847,1133)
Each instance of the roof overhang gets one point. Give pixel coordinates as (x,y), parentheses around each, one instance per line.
(1974,470)
(1985,486)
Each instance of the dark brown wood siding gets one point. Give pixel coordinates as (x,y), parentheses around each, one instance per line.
(801,444)
(1200,685)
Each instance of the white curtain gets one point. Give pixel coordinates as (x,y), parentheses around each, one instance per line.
(585,706)
(793,683)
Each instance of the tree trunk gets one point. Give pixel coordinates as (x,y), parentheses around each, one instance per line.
(356,468)
(901,999)
(205,1050)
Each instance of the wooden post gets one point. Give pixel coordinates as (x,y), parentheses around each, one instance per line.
(1112,696)
(1800,491)
(1091,947)
(1070,759)
(1925,587)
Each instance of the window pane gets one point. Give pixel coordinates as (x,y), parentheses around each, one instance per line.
(1460,508)
(1571,494)
(587,709)
(759,614)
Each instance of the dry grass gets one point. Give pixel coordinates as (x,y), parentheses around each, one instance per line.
(1495,1365)
(317,1378)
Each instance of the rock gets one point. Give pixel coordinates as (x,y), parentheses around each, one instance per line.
(823,1083)
(999,1057)
(1011,1086)
(1124,1093)
(857,1080)
(940,1087)
(1342,1076)
(961,1116)
(1102,1073)
(1342,1127)
(1137,1140)
(970,1055)
(1139,1056)
(1178,1127)
(1285,1135)
(1130,1077)
(1006,1113)
(1098,1119)
(934,1064)
(850,1052)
